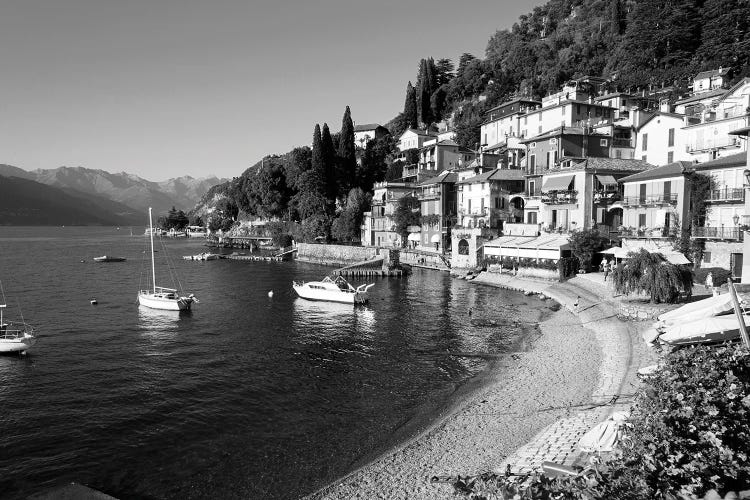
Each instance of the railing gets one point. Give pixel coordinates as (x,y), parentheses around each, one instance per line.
(428,196)
(719,233)
(622,143)
(670,232)
(723,142)
(653,199)
(606,196)
(560,197)
(727,194)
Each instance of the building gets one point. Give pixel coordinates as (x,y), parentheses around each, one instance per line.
(655,205)
(660,139)
(706,81)
(500,132)
(437,197)
(436,156)
(368,132)
(488,199)
(725,215)
(708,127)
(378,228)
(414,139)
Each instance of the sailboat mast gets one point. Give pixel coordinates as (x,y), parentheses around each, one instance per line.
(153,267)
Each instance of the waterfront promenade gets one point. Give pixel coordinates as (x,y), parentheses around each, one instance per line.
(534,406)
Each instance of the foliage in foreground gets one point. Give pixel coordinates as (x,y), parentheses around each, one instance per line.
(652,274)
(688,439)
(584,244)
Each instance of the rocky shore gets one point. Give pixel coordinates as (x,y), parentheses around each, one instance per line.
(534,406)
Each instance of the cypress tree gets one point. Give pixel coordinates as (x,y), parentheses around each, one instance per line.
(410,106)
(328,153)
(423,94)
(347,154)
(318,164)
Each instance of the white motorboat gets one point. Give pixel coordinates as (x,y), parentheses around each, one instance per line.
(703,331)
(159,297)
(109,258)
(332,290)
(15,336)
(202,256)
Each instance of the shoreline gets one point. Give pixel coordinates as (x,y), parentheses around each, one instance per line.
(510,407)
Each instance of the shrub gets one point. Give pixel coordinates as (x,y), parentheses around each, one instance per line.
(652,274)
(720,275)
(567,267)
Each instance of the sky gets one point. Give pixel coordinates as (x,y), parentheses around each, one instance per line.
(165,88)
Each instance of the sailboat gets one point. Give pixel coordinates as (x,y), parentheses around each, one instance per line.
(159,297)
(14,336)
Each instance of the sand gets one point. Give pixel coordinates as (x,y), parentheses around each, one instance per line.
(568,366)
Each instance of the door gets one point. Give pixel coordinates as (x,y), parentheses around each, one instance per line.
(667,190)
(736,265)
(642,193)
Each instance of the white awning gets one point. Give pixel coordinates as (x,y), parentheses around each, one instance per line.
(414,237)
(561,183)
(435,238)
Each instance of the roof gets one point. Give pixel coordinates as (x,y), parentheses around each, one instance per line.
(736,160)
(512,101)
(671,170)
(710,73)
(555,132)
(367,126)
(700,97)
(741,131)
(609,165)
(446,176)
(497,174)
(419,132)
(550,241)
(660,114)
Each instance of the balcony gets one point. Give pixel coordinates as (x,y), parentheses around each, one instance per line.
(622,143)
(649,233)
(560,197)
(605,197)
(730,233)
(707,145)
(650,200)
(727,195)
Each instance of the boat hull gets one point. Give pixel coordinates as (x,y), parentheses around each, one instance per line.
(331,296)
(20,344)
(164,304)
(704,331)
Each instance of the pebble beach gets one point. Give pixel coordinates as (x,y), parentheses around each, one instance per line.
(530,406)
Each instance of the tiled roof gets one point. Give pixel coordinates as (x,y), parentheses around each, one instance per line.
(671,170)
(559,131)
(660,114)
(498,174)
(367,126)
(738,160)
(741,131)
(700,97)
(550,241)
(609,165)
(446,176)
(710,73)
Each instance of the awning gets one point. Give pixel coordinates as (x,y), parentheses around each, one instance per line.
(414,237)
(561,183)
(676,258)
(607,180)
(435,238)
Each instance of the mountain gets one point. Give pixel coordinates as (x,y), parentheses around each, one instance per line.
(24,202)
(132,191)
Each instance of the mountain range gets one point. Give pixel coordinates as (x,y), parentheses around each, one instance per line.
(113,198)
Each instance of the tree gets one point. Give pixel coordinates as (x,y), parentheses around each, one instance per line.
(374,162)
(444,71)
(407,214)
(268,191)
(410,107)
(332,184)
(584,244)
(347,154)
(653,274)
(346,227)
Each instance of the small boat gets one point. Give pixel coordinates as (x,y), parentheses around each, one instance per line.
(159,297)
(703,331)
(15,336)
(108,258)
(332,290)
(202,256)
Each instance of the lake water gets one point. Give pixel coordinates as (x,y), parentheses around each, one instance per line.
(248,396)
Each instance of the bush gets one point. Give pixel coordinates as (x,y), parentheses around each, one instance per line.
(720,275)
(652,274)
(567,267)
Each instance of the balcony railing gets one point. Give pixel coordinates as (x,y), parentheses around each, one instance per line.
(733,233)
(428,196)
(653,199)
(622,143)
(669,232)
(605,197)
(708,144)
(727,195)
(559,197)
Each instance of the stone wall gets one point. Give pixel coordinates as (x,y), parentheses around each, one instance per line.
(721,253)
(642,311)
(335,254)
(421,258)
(527,272)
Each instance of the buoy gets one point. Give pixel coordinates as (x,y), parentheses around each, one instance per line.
(94,302)
(270,294)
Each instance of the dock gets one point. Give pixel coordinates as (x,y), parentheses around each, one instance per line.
(372,267)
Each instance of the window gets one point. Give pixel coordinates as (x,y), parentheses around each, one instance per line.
(707,257)
(644,158)
(540,129)
(532,164)
(670,157)
(641,220)
(531,218)
(618,153)
(670,141)
(603,142)
(644,147)
(532,188)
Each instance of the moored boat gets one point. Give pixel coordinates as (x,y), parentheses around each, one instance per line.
(15,336)
(704,331)
(108,258)
(203,256)
(332,290)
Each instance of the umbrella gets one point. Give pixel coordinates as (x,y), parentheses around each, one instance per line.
(616,252)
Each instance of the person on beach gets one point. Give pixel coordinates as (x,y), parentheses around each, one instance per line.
(606,270)
(709,281)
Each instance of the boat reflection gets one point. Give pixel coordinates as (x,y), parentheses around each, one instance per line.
(313,319)
(158,321)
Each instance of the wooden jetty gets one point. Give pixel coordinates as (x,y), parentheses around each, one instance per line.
(281,255)
(372,267)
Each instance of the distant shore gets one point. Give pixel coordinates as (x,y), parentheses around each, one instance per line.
(521,395)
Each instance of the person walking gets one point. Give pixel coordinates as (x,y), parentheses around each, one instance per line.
(606,270)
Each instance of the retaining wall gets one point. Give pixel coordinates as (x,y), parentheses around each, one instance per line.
(334,254)
(635,311)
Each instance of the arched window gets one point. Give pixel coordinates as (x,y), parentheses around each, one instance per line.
(463,247)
